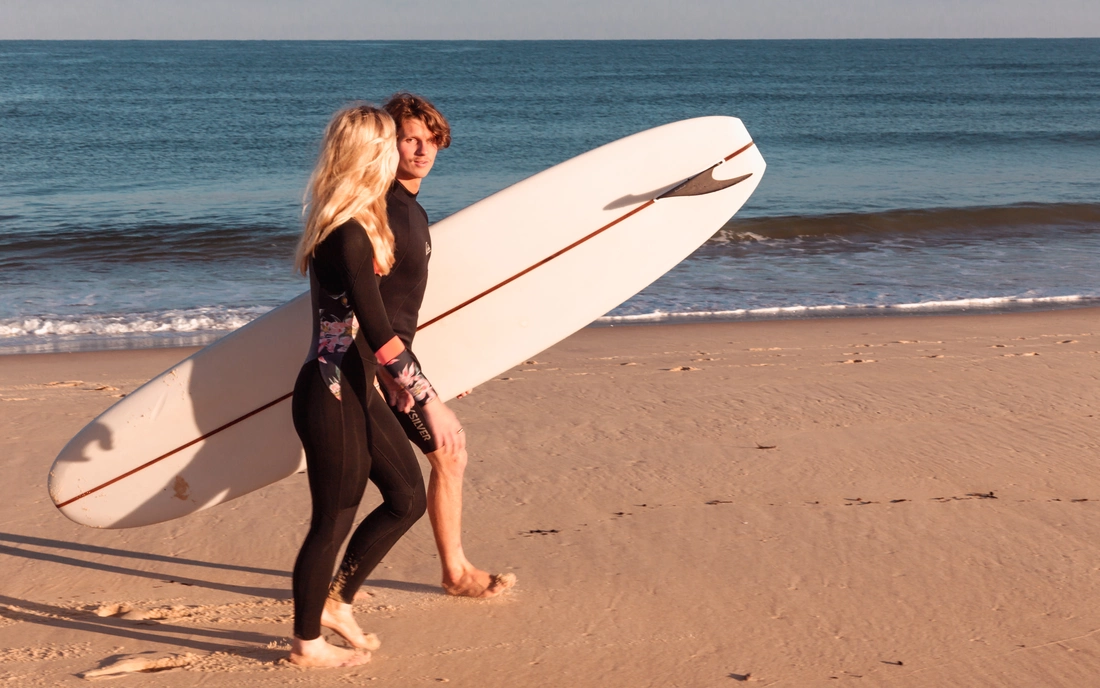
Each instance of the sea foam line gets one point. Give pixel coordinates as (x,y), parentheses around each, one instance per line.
(957,304)
(183,321)
(199,320)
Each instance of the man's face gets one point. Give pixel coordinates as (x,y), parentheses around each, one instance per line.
(417,149)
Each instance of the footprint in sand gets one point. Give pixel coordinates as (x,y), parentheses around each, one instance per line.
(116,609)
(681,369)
(145,663)
(860,360)
(129,612)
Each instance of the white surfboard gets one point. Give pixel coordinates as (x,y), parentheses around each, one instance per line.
(510,276)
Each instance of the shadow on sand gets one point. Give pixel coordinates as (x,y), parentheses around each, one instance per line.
(212,640)
(145,556)
(254,591)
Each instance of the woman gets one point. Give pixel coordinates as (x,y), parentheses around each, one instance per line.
(346,428)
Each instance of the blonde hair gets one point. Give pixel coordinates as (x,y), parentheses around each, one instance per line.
(354,171)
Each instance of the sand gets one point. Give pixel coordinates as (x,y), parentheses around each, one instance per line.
(880,501)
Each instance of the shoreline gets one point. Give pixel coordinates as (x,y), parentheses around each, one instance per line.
(910,501)
(142,342)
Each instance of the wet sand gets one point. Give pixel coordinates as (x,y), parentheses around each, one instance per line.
(891,501)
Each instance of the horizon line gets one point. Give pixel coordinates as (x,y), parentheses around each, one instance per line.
(541,40)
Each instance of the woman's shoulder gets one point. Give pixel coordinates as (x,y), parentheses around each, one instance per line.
(348,237)
(346,248)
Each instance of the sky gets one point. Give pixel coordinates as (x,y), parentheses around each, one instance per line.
(546,19)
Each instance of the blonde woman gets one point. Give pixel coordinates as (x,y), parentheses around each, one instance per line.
(346,427)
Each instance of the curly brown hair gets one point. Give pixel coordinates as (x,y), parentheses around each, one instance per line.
(404,105)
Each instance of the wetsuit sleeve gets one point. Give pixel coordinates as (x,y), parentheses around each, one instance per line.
(357,264)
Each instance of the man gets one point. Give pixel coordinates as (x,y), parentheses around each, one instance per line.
(421,132)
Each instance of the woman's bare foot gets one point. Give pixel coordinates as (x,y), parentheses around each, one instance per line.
(337,616)
(318,653)
(478,584)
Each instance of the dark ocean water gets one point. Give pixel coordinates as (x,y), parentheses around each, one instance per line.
(150,191)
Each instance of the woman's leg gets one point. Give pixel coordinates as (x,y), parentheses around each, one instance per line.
(332,433)
(396,472)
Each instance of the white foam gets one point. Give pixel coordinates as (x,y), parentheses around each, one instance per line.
(726,238)
(657,316)
(987,302)
(193,320)
(214,320)
(810,311)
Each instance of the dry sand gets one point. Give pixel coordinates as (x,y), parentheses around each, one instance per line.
(876,501)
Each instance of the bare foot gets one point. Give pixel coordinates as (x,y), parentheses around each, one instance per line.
(479,584)
(318,653)
(337,616)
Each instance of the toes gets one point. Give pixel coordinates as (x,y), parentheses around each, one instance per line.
(499,582)
(471,586)
(358,659)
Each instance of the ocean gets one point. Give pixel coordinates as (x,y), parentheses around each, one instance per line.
(150,192)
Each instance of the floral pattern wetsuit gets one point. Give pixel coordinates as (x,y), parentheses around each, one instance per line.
(337,326)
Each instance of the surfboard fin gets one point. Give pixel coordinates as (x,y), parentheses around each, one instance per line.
(702,183)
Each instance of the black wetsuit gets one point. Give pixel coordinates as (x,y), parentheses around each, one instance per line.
(403,290)
(347,430)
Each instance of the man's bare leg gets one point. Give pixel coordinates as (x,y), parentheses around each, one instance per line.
(460,577)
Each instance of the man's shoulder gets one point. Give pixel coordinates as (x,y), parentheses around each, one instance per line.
(398,202)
